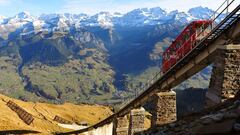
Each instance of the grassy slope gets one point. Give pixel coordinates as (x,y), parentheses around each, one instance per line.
(89,80)
(74,80)
(81,80)
(10,82)
(44,114)
(200,80)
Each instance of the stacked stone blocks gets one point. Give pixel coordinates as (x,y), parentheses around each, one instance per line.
(165,108)
(225,78)
(122,126)
(136,121)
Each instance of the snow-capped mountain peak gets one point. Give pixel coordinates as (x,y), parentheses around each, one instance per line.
(105,19)
(157,11)
(201,12)
(23,15)
(117,14)
(135,18)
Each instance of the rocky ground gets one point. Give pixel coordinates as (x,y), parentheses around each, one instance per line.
(222,120)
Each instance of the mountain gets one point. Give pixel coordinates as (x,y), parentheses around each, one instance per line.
(81,58)
(201,13)
(57,66)
(137,17)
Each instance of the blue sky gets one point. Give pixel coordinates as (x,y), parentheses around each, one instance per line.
(37,7)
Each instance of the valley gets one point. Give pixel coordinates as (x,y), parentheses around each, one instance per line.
(80,58)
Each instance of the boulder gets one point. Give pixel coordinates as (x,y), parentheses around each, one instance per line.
(218,117)
(236,127)
(207,121)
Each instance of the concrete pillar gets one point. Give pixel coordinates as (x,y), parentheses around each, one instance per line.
(121,126)
(136,121)
(165,108)
(225,78)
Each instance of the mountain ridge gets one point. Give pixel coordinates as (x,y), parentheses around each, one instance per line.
(101,58)
(136,17)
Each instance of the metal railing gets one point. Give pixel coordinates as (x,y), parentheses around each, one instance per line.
(218,15)
(141,89)
(127,106)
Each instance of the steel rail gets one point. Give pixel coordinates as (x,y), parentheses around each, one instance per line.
(201,46)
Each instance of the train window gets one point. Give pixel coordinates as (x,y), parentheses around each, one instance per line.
(168,55)
(179,44)
(192,30)
(185,37)
(173,56)
(163,57)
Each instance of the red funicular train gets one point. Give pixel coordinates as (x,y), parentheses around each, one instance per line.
(184,43)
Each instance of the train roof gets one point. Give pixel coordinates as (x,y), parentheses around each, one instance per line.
(200,22)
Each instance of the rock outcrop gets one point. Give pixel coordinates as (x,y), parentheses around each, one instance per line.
(224,120)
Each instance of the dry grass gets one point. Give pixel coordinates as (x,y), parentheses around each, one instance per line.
(44,113)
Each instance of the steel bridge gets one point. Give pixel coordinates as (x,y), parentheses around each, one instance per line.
(202,55)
